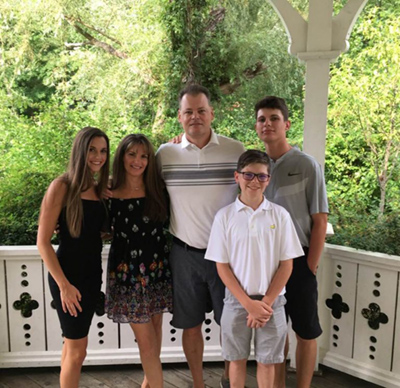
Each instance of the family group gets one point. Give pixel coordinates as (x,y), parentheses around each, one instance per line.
(248,229)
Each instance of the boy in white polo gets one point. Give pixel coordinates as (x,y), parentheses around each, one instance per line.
(253,242)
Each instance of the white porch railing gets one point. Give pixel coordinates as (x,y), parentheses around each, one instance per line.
(36,340)
(360,313)
(359,310)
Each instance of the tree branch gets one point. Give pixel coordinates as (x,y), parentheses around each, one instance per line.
(95,42)
(75,45)
(79,20)
(217,15)
(249,73)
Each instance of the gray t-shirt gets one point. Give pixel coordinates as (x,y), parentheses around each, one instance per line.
(297,183)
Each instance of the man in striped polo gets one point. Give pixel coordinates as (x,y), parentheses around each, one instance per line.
(199,175)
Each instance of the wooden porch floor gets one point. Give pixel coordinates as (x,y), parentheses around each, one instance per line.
(175,376)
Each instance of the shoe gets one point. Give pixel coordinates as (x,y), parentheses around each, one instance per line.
(224,383)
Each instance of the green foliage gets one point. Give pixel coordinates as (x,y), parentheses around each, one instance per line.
(356,228)
(364,115)
(224,45)
(19,207)
(364,135)
(119,65)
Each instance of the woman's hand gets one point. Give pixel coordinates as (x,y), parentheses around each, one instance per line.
(107,193)
(70,298)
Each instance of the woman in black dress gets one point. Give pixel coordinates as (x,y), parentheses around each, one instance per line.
(73,202)
(139,278)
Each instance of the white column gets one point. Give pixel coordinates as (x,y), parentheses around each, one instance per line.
(316,108)
(317,59)
(319,34)
(317,42)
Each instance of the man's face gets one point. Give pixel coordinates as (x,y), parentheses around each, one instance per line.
(271,126)
(195,114)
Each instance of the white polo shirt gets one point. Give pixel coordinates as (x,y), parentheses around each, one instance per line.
(199,183)
(253,242)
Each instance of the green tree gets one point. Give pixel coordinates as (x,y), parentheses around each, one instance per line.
(118,65)
(363,134)
(365,111)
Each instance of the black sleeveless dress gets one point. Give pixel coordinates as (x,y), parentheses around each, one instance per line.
(139,282)
(80,259)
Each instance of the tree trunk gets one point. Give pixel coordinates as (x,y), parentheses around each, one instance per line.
(382,202)
(159,119)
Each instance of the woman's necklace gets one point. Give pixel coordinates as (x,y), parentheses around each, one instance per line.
(133,188)
(138,188)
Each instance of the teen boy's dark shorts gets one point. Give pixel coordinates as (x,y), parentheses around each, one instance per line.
(302,300)
(197,288)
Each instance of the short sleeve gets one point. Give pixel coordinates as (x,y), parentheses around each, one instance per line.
(217,249)
(316,191)
(290,246)
(159,162)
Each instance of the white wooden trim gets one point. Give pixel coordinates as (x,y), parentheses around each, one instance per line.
(357,277)
(361,370)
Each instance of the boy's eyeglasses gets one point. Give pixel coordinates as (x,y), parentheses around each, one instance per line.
(249,176)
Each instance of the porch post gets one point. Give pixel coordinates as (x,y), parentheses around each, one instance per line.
(317,42)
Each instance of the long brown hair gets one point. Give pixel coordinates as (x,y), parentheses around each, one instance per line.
(79,178)
(156,207)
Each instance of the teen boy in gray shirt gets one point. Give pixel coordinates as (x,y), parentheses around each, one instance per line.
(297,184)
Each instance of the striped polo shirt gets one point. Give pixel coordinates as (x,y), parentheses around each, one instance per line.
(199,183)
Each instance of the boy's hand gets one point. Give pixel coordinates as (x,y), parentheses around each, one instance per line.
(259,310)
(266,299)
(313,268)
(253,323)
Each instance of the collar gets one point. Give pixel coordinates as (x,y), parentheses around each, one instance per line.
(264,206)
(213,141)
(294,149)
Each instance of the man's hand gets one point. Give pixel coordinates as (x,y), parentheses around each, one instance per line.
(176,139)
(105,236)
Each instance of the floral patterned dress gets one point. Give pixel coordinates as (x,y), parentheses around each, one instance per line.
(139,277)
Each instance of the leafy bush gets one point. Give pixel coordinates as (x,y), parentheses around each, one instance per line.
(363,230)
(20,201)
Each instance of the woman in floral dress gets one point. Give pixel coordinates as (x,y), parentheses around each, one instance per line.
(139,279)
